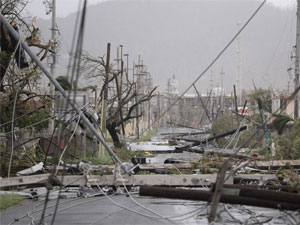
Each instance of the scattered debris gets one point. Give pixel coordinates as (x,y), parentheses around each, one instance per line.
(31,170)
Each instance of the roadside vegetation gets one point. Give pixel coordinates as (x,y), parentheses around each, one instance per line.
(146,137)
(8,200)
(281,139)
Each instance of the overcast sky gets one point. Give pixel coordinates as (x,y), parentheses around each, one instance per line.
(65,7)
(257,66)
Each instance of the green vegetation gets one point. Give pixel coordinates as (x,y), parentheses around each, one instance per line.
(145,137)
(250,138)
(287,145)
(97,161)
(265,96)
(280,122)
(9,200)
(64,83)
(125,154)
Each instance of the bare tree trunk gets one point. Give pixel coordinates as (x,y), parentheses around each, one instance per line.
(112,129)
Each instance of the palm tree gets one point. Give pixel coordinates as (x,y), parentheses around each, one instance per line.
(281,121)
(64,83)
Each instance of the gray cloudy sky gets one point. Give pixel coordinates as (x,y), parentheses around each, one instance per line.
(65,7)
(178,32)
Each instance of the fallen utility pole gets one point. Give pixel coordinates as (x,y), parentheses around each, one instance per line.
(276,164)
(198,180)
(85,120)
(184,133)
(272,195)
(173,193)
(217,152)
(279,188)
(198,142)
(180,125)
(185,180)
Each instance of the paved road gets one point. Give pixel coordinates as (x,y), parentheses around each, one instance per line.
(101,210)
(122,210)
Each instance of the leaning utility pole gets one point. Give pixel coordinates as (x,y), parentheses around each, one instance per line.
(296,105)
(52,69)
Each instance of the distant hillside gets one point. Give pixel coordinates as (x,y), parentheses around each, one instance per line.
(182,37)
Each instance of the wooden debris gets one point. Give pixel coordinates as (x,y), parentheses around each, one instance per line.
(275,164)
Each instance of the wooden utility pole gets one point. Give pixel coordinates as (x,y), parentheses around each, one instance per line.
(104,100)
(236,104)
(52,69)
(158,105)
(222,90)
(127,68)
(149,102)
(119,93)
(296,105)
(238,68)
(137,131)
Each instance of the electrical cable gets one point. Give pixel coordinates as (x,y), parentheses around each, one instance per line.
(265,74)
(131,210)
(230,214)
(31,125)
(67,145)
(124,207)
(18,47)
(212,63)
(72,206)
(25,114)
(237,150)
(12,133)
(76,63)
(162,217)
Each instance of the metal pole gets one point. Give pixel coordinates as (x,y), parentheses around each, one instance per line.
(296,105)
(85,120)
